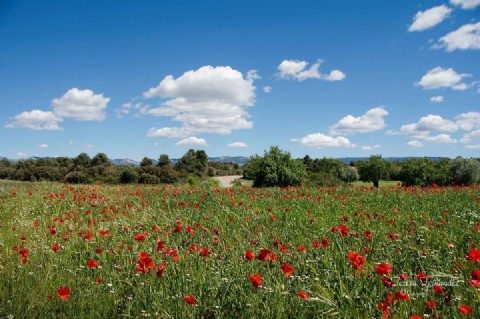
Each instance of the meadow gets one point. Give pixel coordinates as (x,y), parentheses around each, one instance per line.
(133,251)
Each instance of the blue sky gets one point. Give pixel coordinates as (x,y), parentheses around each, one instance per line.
(324,78)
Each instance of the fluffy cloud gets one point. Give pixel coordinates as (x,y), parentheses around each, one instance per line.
(320,140)
(43,146)
(207,100)
(82,105)
(415,143)
(370,121)
(429,18)
(297,70)
(466,4)
(422,130)
(437,99)
(267,89)
(36,120)
(464,38)
(370,147)
(443,78)
(192,141)
(237,144)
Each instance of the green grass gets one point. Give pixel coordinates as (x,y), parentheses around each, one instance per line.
(428,230)
(381,183)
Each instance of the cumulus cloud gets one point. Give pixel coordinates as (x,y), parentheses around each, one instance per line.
(207,100)
(370,121)
(466,4)
(467,37)
(319,140)
(237,144)
(415,143)
(429,18)
(473,147)
(370,147)
(297,70)
(82,105)
(22,154)
(43,146)
(423,129)
(439,77)
(437,99)
(267,89)
(192,141)
(36,120)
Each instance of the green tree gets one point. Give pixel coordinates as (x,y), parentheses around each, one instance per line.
(424,172)
(164,161)
(373,170)
(275,168)
(465,171)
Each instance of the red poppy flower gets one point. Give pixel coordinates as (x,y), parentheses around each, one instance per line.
(416,317)
(422,277)
(92,263)
(474,283)
(356,259)
(383,269)
(325,242)
(63,293)
(465,310)
(387,282)
(190,300)
(256,280)
(287,269)
(431,304)
(303,295)
(403,277)
(476,274)
(99,280)
(473,254)
(161,269)
(249,255)
(401,295)
(301,248)
(437,289)
(56,247)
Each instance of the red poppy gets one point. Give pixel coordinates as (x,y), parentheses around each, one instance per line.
(356,259)
(92,263)
(56,247)
(465,310)
(387,282)
(401,295)
(431,304)
(256,280)
(403,277)
(249,255)
(474,283)
(383,269)
(416,317)
(303,295)
(287,269)
(437,289)
(325,242)
(422,277)
(161,269)
(473,254)
(63,293)
(301,248)
(190,300)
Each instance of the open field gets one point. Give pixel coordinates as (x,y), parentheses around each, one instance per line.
(99,251)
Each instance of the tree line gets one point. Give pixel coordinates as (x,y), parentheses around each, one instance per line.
(275,168)
(83,169)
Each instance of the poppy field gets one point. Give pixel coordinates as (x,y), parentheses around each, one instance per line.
(103,251)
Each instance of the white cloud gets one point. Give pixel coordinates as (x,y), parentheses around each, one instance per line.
(237,144)
(466,4)
(464,38)
(468,121)
(441,138)
(297,70)
(36,120)
(370,147)
(82,105)
(253,75)
(267,89)
(470,137)
(473,147)
(320,140)
(437,99)
(443,78)
(22,154)
(415,143)
(429,18)
(370,121)
(192,141)
(89,145)
(427,124)
(207,100)
(43,146)
(335,75)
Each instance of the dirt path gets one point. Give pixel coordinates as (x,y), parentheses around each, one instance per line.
(225,181)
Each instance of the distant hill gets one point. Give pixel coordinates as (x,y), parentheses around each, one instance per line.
(348,160)
(240,160)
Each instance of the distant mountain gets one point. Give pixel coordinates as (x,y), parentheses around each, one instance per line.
(348,160)
(240,160)
(125,161)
